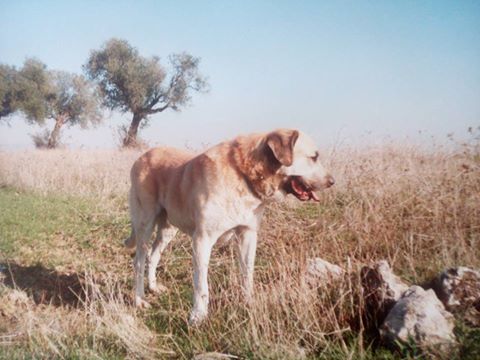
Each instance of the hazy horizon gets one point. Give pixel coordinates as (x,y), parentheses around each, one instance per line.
(355,72)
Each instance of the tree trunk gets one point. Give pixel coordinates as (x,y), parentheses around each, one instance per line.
(130,139)
(53,140)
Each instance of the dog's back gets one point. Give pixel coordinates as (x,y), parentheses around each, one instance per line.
(151,178)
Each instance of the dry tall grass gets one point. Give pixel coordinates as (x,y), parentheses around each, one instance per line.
(417,208)
(102,320)
(99,173)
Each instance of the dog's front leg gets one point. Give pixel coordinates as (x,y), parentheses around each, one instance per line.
(202,248)
(247,246)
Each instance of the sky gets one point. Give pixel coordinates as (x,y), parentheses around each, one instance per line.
(342,71)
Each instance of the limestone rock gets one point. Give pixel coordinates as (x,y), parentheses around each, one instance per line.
(381,288)
(18,297)
(459,290)
(13,302)
(320,272)
(214,356)
(420,317)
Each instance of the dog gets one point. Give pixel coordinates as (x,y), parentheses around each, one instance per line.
(216,194)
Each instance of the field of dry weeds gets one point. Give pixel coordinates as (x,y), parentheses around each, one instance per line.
(65,278)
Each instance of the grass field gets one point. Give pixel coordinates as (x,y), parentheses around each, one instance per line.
(65,277)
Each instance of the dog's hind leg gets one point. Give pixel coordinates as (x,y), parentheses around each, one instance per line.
(135,208)
(131,240)
(143,213)
(165,234)
(143,233)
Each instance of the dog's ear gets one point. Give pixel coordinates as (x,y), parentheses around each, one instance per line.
(281,143)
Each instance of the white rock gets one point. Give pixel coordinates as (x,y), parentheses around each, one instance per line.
(320,272)
(382,288)
(458,286)
(419,316)
(214,356)
(459,290)
(18,297)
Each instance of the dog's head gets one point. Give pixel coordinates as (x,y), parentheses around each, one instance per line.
(298,161)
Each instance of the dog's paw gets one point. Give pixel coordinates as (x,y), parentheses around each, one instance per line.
(196,318)
(157,288)
(141,303)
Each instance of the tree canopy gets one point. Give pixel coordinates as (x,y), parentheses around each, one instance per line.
(129,82)
(71,101)
(8,103)
(73,98)
(25,90)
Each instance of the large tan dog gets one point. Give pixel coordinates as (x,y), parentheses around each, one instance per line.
(213,195)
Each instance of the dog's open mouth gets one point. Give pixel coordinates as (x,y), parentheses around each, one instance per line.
(297,186)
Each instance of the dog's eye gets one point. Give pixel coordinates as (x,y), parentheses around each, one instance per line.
(314,157)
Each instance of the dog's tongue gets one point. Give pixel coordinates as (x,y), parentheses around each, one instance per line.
(303,193)
(297,187)
(313,196)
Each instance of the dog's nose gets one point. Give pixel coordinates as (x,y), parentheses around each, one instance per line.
(330,180)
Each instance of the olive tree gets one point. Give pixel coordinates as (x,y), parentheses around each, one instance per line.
(129,82)
(25,90)
(71,101)
(41,94)
(8,103)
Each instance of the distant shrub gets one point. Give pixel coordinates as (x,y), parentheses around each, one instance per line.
(40,139)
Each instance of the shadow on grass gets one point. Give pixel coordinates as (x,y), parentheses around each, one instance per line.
(46,286)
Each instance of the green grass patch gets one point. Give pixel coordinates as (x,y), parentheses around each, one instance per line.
(53,229)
